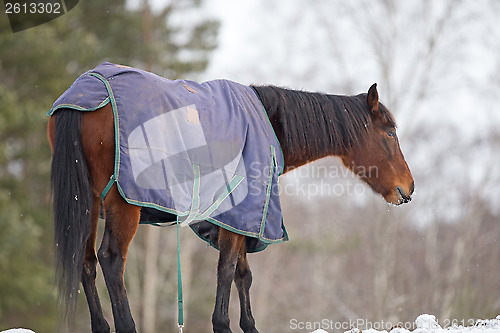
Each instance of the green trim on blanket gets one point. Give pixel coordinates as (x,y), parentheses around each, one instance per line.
(216,246)
(76,107)
(111,97)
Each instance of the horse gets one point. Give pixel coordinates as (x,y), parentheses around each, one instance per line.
(358,129)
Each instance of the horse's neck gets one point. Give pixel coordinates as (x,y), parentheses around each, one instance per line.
(310,125)
(295,159)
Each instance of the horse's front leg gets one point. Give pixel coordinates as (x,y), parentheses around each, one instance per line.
(243,280)
(229,248)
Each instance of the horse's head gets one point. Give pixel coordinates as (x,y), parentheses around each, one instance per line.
(378,159)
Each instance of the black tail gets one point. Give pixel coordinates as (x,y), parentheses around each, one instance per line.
(72,200)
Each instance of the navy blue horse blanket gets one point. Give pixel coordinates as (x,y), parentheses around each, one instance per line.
(201,154)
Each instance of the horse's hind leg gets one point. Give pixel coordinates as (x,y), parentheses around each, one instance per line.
(122,220)
(98,143)
(89,273)
(243,280)
(229,249)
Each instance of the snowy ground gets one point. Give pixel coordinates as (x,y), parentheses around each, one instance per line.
(429,324)
(423,324)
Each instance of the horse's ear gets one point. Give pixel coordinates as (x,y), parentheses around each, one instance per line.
(372,99)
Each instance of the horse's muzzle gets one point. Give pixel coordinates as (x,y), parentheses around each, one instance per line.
(405,197)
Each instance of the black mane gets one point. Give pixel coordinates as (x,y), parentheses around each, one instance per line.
(318,124)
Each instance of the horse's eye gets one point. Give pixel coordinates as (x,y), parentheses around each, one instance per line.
(391,134)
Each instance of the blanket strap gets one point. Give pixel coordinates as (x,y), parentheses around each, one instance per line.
(194,214)
(180,303)
(233,183)
(112,180)
(195,200)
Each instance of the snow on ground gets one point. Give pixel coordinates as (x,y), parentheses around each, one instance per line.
(426,323)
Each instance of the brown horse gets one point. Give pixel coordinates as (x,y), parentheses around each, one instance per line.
(309,126)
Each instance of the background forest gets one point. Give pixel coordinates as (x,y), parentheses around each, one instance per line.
(350,255)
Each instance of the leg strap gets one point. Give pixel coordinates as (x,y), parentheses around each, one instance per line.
(112,180)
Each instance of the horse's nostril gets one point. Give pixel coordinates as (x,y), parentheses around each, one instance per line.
(405,198)
(412,189)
